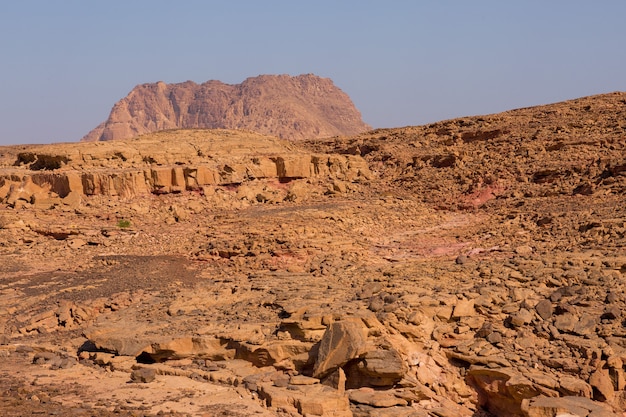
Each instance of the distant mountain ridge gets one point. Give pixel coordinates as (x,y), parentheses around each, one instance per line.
(290,107)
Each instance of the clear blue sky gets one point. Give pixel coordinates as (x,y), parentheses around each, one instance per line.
(65,63)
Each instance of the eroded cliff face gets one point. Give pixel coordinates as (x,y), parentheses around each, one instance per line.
(161,163)
(301,107)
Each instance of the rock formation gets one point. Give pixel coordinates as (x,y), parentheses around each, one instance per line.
(471,267)
(301,107)
(166,162)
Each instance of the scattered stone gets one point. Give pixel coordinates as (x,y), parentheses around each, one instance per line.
(337,380)
(281,380)
(369,290)
(544,309)
(463,308)
(342,342)
(542,406)
(524,250)
(377,368)
(566,322)
(501,391)
(485,330)
(44,357)
(461,260)
(495,337)
(374,398)
(54,360)
(376,304)
(570,385)
(76,243)
(522,317)
(602,385)
(143,375)
(611,313)
(303,380)
(586,325)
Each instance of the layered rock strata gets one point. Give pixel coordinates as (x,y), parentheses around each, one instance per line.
(125,170)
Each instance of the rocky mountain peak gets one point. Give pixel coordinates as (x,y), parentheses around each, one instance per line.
(300,107)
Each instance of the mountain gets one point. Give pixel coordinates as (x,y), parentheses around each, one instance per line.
(295,108)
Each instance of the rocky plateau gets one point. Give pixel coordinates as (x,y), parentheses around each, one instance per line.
(470,267)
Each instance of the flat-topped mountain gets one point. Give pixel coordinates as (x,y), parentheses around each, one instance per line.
(300,107)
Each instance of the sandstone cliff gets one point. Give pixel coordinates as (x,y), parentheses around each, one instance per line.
(301,107)
(160,163)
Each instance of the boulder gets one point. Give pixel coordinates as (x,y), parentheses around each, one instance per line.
(542,406)
(343,341)
(143,375)
(293,166)
(544,309)
(522,317)
(5,188)
(602,385)
(115,341)
(463,308)
(566,322)
(570,385)
(271,353)
(134,339)
(305,329)
(312,400)
(377,368)
(502,390)
(185,347)
(379,399)
(161,179)
(73,199)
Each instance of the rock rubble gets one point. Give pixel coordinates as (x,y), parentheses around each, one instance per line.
(412,273)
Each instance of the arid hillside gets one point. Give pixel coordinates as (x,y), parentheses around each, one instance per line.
(471,267)
(296,108)
(570,148)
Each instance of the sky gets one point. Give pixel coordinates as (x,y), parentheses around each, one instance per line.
(64,64)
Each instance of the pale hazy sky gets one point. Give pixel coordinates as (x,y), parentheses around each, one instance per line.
(65,63)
